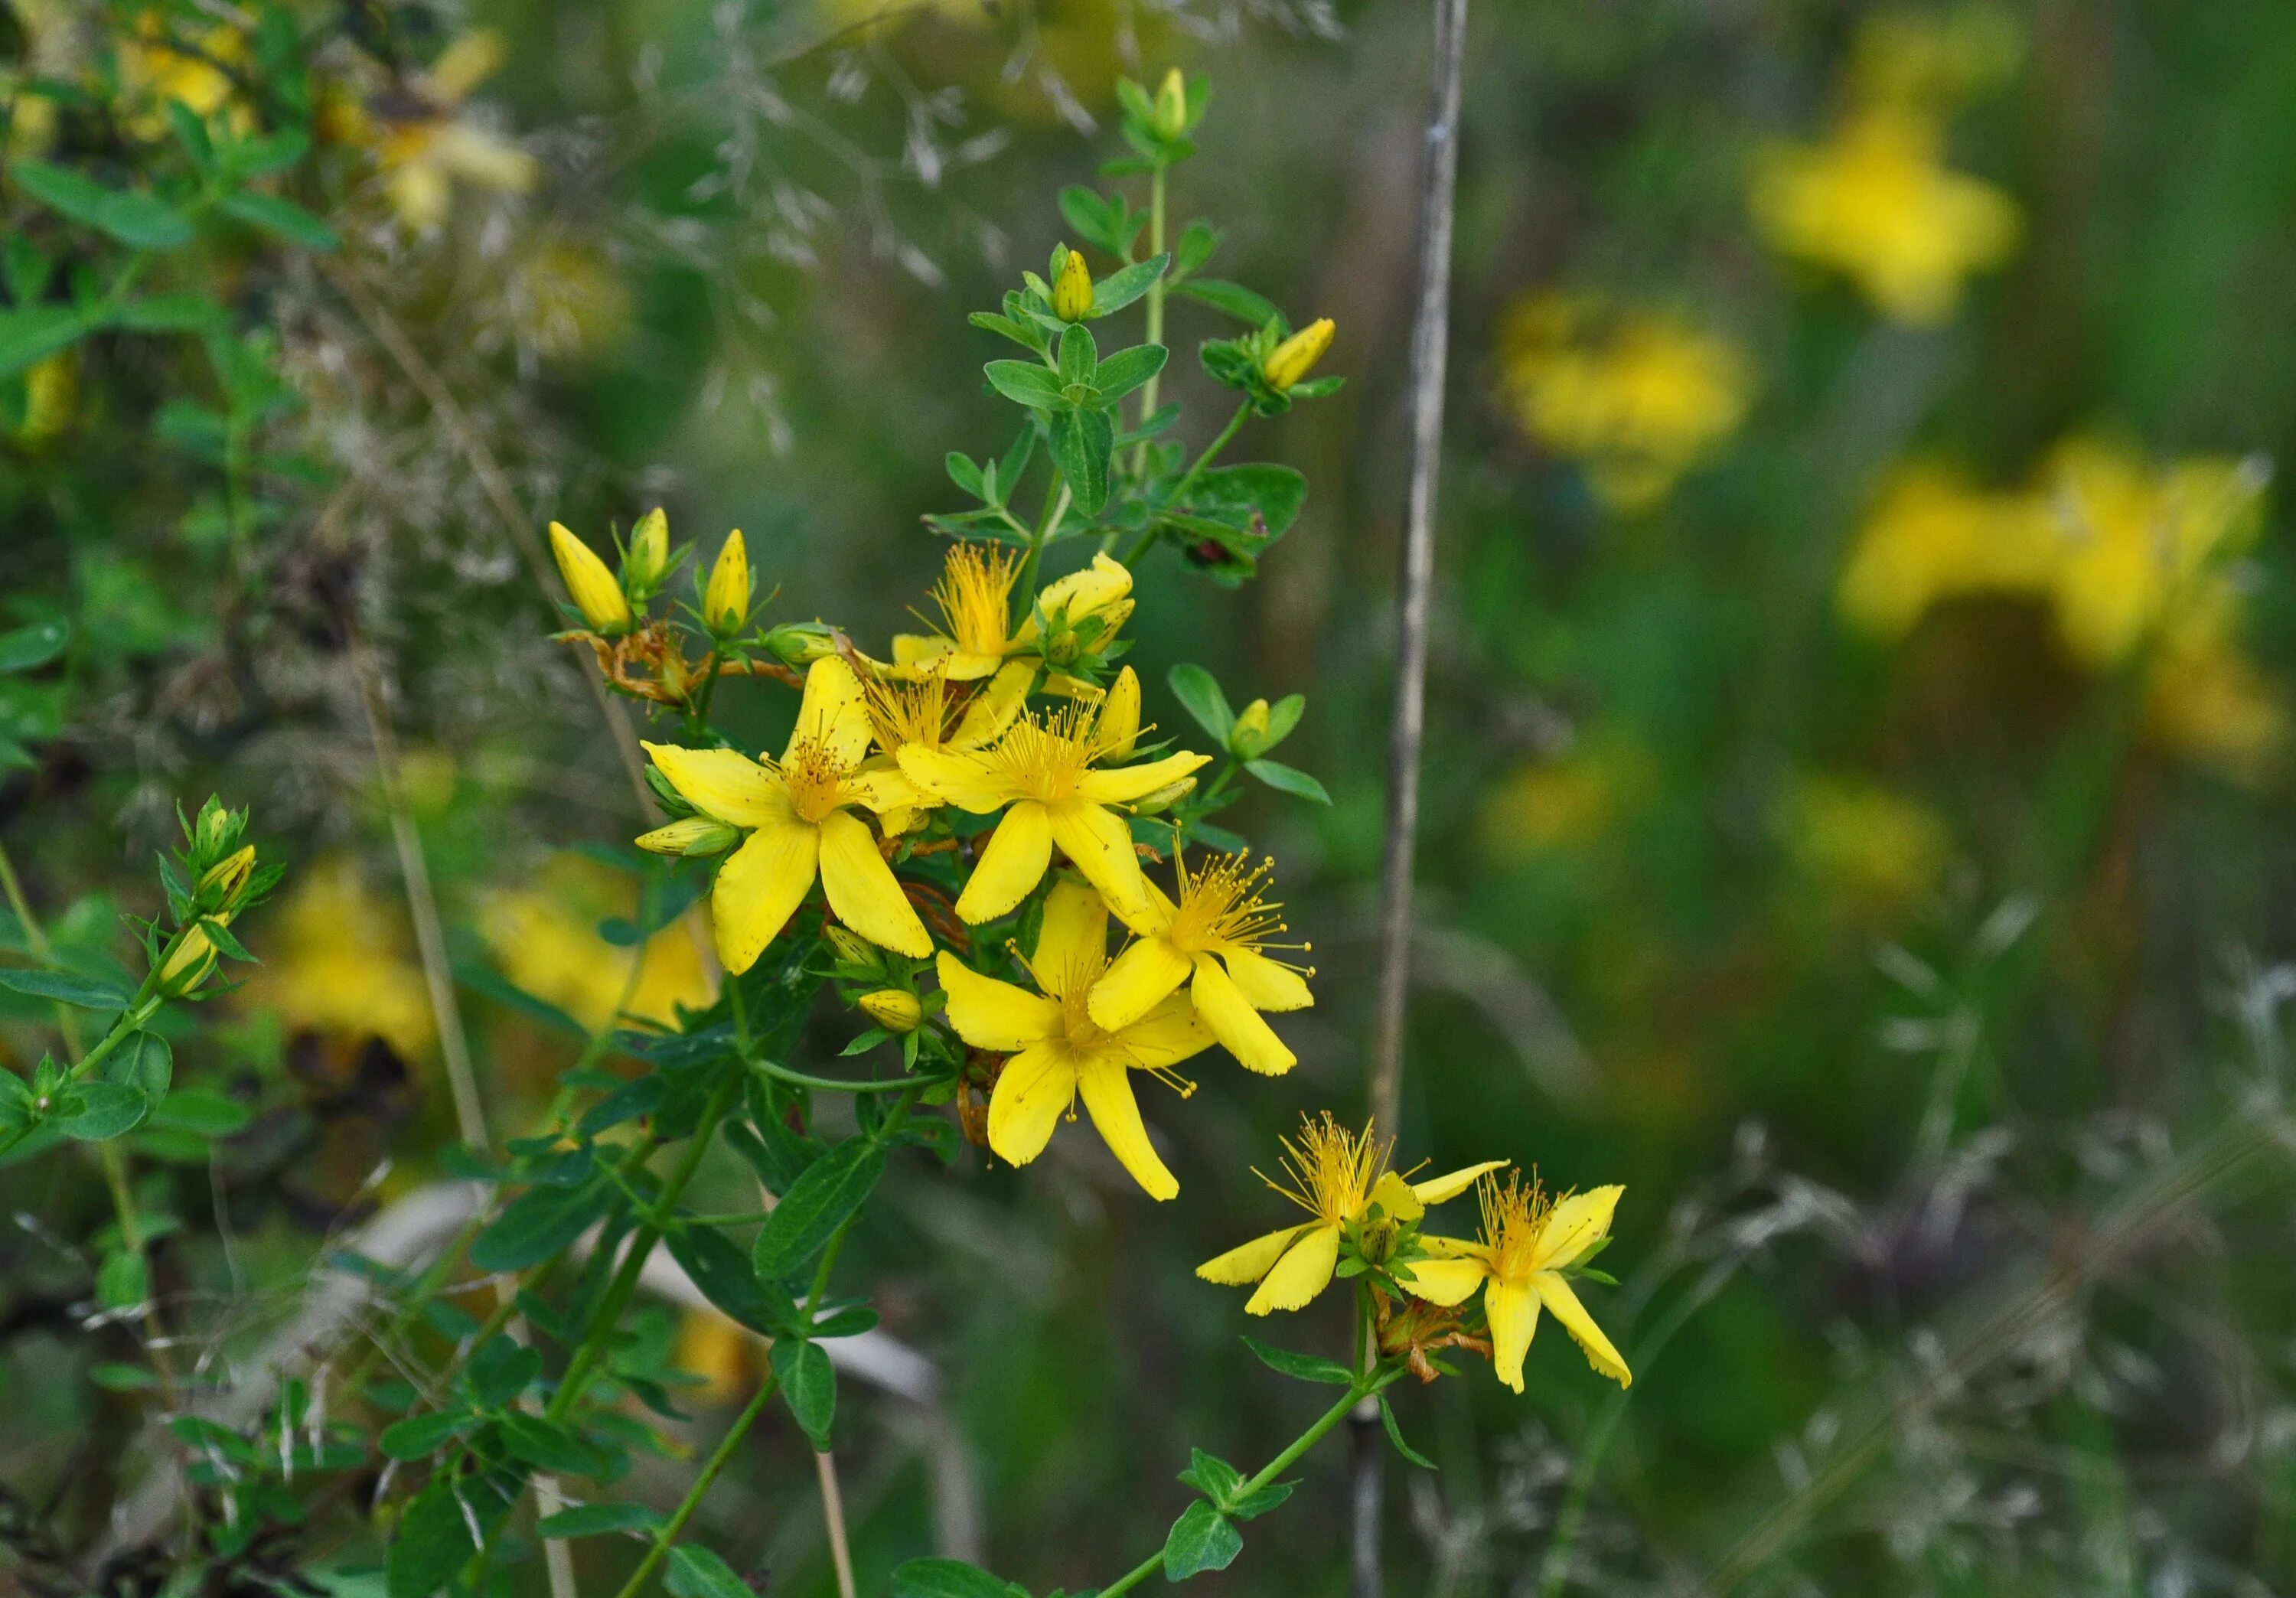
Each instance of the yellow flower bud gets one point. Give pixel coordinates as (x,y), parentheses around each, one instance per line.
(596,594)
(1171,106)
(647,561)
(893,1010)
(1297,355)
(694,836)
(1120,716)
(1072,295)
(220,885)
(189,965)
(851,947)
(1165,797)
(726,603)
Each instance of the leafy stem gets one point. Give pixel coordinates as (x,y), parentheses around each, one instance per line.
(1155,309)
(1147,539)
(1057,507)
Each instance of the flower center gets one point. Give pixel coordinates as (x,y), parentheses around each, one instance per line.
(1513,1216)
(975,594)
(1330,1170)
(1224,902)
(904,713)
(814,776)
(1042,760)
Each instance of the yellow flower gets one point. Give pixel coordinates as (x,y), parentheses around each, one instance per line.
(154,70)
(1072,294)
(919,714)
(975,597)
(1059,1053)
(1639,397)
(2203,696)
(1212,941)
(1335,1175)
(1878,204)
(423,151)
(1297,355)
(544,935)
(1043,770)
(712,1346)
(1865,846)
(1520,1260)
(726,602)
(795,813)
(336,962)
(596,594)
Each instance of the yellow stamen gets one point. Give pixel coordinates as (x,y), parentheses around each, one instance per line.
(1513,1216)
(975,596)
(1330,1170)
(904,713)
(1042,758)
(814,776)
(1226,903)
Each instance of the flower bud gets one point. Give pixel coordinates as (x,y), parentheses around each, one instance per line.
(1072,294)
(693,837)
(894,1010)
(1297,355)
(726,603)
(1165,797)
(647,560)
(1171,118)
(222,884)
(189,965)
(851,947)
(596,594)
(1120,716)
(1249,736)
(800,643)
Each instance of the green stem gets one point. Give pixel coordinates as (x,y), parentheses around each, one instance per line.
(1155,311)
(782,1073)
(684,1512)
(1147,540)
(1057,507)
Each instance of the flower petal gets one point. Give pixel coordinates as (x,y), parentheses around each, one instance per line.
(1436,1189)
(1444,1282)
(1137,981)
(1082,592)
(1572,1227)
(863,891)
(758,889)
(1266,984)
(990,1014)
(1107,1089)
(1152,914)
(881,786)
(834,712)
(964,780)
(1019,852)
(920,649)
(1100,845)
(724,783)
(1512,1312)
(1120,785)
(1222,1007)
(1249,1262)
(1033,1091)
(1073,938)
(1304,1271)
(1167,1034)
(993,709)
(1557,1293)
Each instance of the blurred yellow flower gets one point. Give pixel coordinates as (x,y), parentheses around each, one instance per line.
(1863,844)
(566,299)
(544,935)
(156,66)
(42,400)
(420,141)
(1877,204)
(713,1347)
(2206,699)
(1638,395)
(336,962)
(1564,802)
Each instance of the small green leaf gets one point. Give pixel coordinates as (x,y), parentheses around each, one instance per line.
(809,1386)
(419,1437)
(1254,310)
(144,1062)
(201,1111)
(696,1572)
(1024,382)
(1395,1435)
(1201,1539)
(31,335)
(1128,369)
(818,1202)
(123,1280)
(1212,1476)
(1200,696)
(138,219)
(94,1111)
(123,1379)
(1079,355)
(538,1223)
(173,314)
(547,1445)
(1289,779)
(950,1578)
(500,1371)
(27,648)
(84,993)
(724,1274)
(594,1520)
(282,217)
(1305,1367)
(1121,287)
(966,474)
(1082,442)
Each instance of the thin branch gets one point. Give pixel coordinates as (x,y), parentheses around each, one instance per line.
(832,1517)
(1429,342)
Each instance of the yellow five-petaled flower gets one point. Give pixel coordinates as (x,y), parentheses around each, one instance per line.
(1528,1244)
(1336,1176)
(1059,1054)
(974,596)
(796,814)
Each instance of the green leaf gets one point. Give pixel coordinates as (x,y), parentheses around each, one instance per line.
(1025,382)
(1305,1367)
(1199,693)
(538,1223)
(1093,217)
(593,1519)
(1082,441)
(115,1378)
(1252,1505)
(1395,1435)
(1283,716)
(144,1062)
(547,1445)
(434,1534)
(1236,494)
(487,984)
(966,474)
(419,1437)
(123,1280)
(26,648)
(84,993)
(1289,779)
(30,336)
(1254,310)
(724,1274)
(201,1111)
(1121,287)
(94,1111)
(950,1578)
(696,1572)
(500,1371)
(1128,369)
(1079,355)
(271,154)
(809,1386)
(1198,243)
(173,314)
(1212,1476)
(818,1202)
(138,219)
(1201,1539)
(282,217)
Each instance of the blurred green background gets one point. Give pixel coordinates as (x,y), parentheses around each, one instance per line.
(1858,759)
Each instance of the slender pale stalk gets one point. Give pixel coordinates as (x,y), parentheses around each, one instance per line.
(1155,330)
(832,1519)
(1430,340)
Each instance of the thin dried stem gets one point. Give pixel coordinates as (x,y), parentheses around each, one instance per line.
(832,1519)
(1429,341)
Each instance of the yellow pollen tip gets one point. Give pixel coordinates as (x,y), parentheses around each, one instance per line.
(975,594)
